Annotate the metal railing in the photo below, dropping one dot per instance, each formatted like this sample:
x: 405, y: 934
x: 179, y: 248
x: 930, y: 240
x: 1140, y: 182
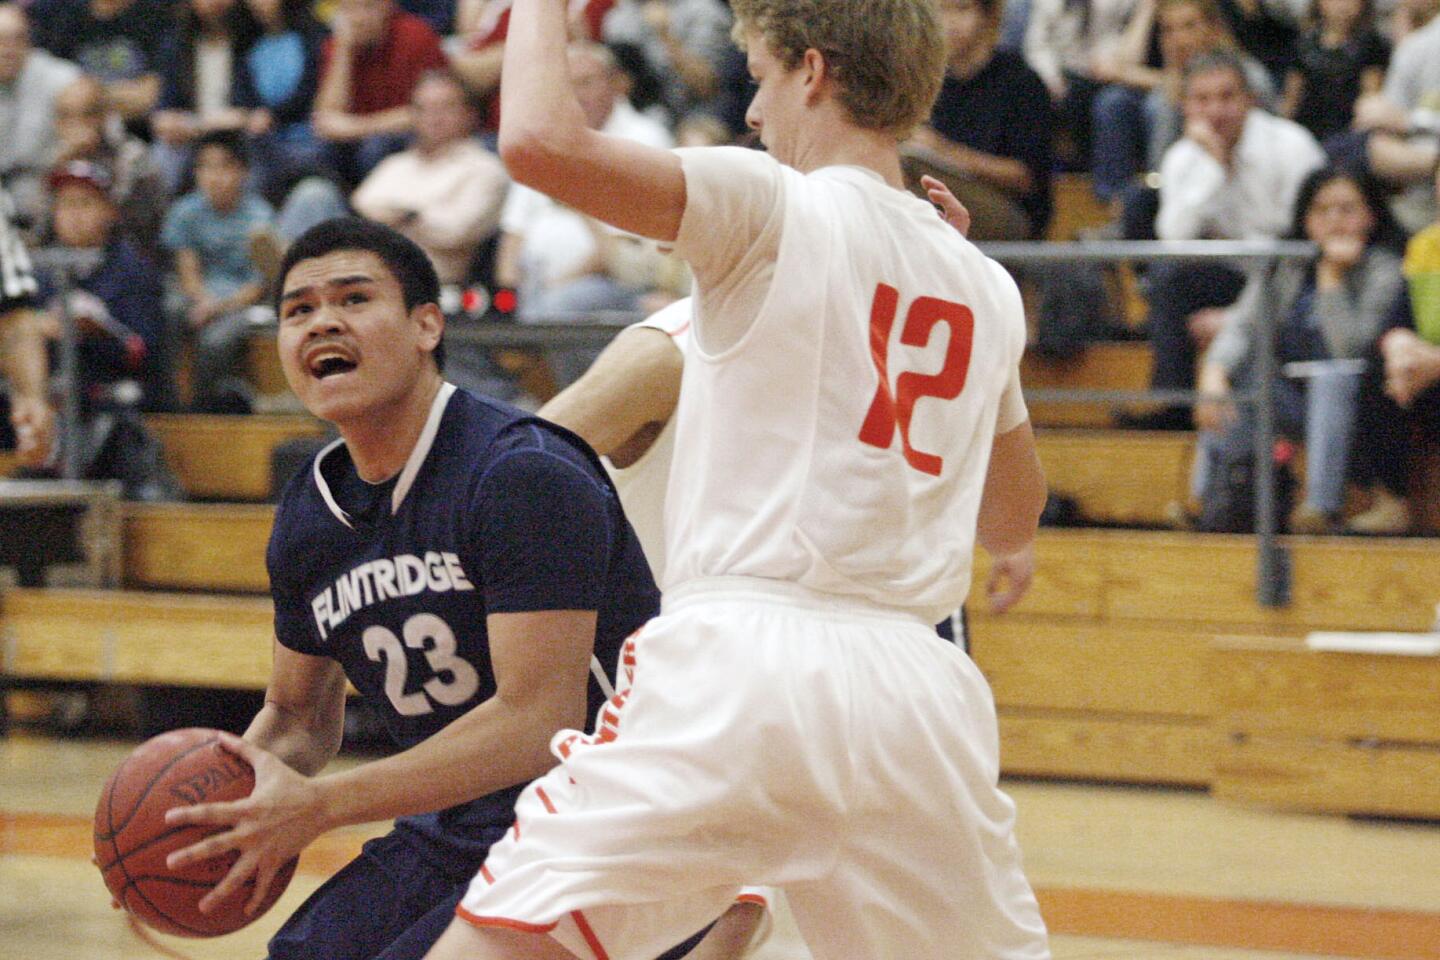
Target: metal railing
x: 1273, y: 566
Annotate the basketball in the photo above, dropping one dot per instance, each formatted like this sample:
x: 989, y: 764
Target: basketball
x: 132, y: 839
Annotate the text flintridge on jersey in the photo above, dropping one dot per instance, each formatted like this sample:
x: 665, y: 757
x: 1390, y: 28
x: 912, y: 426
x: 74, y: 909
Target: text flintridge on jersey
x: 386, y: 579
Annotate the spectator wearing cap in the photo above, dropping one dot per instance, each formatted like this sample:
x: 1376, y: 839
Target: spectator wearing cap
x: 111, y: 292
x: 85, y: 132
x: 116, y: 301
x: 220, y: 234
x: 369, y: 67
x: 30, y: 82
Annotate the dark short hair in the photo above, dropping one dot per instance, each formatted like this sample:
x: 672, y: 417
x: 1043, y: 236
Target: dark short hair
x: 1218, y: 58
x: 1387, y: 231
x: 231, y: 141
x: 406, y: 262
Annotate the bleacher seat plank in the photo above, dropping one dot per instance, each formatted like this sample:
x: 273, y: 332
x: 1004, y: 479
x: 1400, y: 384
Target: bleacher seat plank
x: 197, y: 546
x: 1338, y: 584
x: 1280, y: 688
x: 227, y: 458
x: 1076, y: 206
x: 1323, y: 776
x: 1099, y: 366
x: 1115, y: 668
x: 1095, y: 747
x: 123, y: 637
x: 1122, y: 477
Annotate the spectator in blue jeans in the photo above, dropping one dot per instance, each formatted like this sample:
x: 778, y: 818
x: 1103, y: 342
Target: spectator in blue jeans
x: 1330, y: 315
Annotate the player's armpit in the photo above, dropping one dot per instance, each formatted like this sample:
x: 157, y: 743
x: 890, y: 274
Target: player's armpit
x: 634, y: 382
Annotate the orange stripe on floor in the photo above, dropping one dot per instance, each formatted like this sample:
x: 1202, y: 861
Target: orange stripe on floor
x: 1371, y: 934
x: 69, y: 836
x: 1368, y: 934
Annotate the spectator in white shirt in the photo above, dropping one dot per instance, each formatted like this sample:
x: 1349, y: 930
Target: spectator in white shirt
x: 1234, y: 175
x: 30, y: 82
x: 445, y: 191
x: 562, y: 264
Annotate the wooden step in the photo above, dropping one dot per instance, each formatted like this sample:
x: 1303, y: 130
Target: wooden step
x: 227, y: 458
x: 1105, y: 671
x: 1118, y: 476
x: 1326, y: 731
x: 197, y: 546
x: 1100, y: 366
x: 140, y: 638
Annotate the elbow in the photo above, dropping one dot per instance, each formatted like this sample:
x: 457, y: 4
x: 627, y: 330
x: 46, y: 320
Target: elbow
x: 533, y: 156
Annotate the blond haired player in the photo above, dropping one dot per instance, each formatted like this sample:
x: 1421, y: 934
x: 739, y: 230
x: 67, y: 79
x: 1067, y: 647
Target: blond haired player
x: 791, y: 717
x: 624, y: 407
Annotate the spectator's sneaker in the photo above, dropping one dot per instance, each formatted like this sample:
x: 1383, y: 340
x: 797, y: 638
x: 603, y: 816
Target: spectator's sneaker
x: 1388, y: 516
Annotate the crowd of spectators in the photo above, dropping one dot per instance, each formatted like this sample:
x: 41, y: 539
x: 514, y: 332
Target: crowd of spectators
x: 190, y: 140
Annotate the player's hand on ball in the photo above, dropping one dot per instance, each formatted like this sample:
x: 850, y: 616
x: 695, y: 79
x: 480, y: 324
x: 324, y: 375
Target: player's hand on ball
x: 268, y: 828
x: 1010, y: 577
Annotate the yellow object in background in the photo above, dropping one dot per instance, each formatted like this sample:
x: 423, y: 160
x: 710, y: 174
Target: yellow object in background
x: 1422, y: 272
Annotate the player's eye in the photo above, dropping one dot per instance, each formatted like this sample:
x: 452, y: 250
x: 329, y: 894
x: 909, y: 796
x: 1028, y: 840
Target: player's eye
x: 354, y: 297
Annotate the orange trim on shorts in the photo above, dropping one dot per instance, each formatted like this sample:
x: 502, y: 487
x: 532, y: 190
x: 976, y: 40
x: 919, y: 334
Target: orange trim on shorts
x: 588, y: 933
x: 754, y: 898
x: 485, y: 872
x: 504, y: 922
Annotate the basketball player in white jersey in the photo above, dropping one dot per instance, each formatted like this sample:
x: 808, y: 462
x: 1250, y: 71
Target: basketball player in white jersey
x: 791, y: 718
x: 623, y: 406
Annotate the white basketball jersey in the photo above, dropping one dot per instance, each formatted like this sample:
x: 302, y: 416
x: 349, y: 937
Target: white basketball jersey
x: 642, y: 484
x: 841, y: 397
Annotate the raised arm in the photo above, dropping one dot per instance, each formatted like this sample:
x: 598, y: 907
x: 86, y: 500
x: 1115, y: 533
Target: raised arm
x: 547, y: 145
x: 629, y: 391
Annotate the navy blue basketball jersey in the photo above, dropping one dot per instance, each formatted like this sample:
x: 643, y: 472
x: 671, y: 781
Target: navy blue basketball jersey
x: 495, y: 512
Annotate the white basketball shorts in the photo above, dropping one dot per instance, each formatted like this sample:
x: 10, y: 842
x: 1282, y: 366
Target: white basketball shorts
x: 767, y: 734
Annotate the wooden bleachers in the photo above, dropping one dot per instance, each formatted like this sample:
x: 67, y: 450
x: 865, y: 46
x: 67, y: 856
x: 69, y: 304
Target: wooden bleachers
x: 1326, y: 731
x: 1104, y: 671
x: 139, y: 638
x: 1100, y: 366
x: 227, y: 458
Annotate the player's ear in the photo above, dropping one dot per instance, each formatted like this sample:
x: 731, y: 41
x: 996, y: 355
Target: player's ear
x: 431, y: 321
x: 817, y: 72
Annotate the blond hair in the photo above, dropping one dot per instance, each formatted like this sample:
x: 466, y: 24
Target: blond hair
x: 887, y: 56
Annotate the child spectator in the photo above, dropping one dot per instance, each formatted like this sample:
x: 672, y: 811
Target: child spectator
x: 85, y: 132
x: 115, y: 301
x: 216, y: 234
x: 1340, y: 57
x: 1333, y: 309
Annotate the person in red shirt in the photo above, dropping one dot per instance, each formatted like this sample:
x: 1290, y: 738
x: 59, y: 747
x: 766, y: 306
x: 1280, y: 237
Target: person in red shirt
x: 484, y: 24
x: 368, y: 70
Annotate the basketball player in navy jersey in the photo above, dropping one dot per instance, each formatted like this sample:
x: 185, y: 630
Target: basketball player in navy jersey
x: 462, y: 564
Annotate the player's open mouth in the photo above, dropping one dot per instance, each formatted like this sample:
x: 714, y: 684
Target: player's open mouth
x: 329, y: 363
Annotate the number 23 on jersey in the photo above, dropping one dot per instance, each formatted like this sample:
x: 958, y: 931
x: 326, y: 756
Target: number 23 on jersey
x: 889, y: 409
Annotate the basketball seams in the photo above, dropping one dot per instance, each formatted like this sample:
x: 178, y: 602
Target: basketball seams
x: 115, y: 778
x: 148, y: 890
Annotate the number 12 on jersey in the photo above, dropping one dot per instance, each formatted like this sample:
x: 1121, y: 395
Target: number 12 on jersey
x: 890, y: 410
